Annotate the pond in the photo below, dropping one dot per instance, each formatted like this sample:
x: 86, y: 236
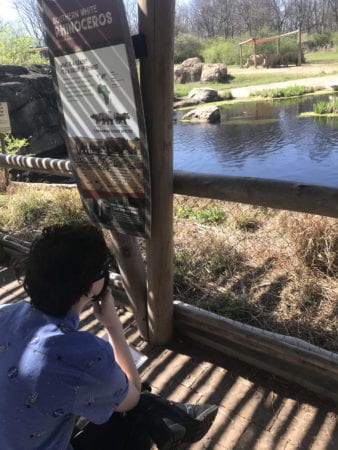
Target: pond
x: 265, y: 139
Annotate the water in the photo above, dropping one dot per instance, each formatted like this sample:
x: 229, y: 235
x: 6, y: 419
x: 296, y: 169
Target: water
x: 263, y: 140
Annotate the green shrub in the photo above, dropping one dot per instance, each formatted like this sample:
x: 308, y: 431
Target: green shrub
x: 218, y: 50
x: 321, y: 39
x: 16, y: 47
x: 186, y: 46
x: 13, y: 145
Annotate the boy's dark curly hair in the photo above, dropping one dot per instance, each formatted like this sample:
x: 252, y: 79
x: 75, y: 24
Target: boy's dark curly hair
x: 62, y: 265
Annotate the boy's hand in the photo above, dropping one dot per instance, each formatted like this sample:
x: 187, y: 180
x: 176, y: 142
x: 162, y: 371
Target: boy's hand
x: 105, y: 311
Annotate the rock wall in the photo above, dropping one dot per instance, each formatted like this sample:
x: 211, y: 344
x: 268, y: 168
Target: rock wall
x: 31, y: 100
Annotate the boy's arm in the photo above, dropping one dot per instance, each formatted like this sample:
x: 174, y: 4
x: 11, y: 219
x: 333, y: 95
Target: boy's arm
x: 106, y: 313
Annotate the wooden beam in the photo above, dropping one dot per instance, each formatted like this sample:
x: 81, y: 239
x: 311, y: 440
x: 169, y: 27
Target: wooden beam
x: 156, y: 23
x: 285, y: 356
x: 267, y: 39
x: 276, y: 194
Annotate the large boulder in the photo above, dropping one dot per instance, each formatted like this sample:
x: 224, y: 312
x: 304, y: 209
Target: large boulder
x: 188, y: 71
x: 30, y: 95
x: 210, y: 114
x: 204, y: 95
x: 214, y: 72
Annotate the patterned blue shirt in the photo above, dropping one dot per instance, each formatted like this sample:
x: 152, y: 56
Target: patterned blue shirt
x: 50, y: 374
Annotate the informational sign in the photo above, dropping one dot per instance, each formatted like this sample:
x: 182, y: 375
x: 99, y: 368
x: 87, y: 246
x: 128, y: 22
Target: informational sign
x: 99, y: 98
x: 5, y: 124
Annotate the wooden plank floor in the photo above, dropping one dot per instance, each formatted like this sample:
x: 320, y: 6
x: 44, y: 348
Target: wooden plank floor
x: 257, y: 411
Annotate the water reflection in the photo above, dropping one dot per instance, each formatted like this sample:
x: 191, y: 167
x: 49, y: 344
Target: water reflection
x: 262, y: 139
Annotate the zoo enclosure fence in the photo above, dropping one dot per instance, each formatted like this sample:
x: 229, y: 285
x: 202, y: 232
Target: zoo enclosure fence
x: 255, y: 231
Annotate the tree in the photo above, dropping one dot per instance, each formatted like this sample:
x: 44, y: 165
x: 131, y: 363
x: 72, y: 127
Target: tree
x: 132, y: 15
x: 28, y: 11
x: 15, y: 47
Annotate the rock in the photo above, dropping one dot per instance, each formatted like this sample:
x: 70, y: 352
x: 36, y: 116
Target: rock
x: 214, y: 72
x: 188, y: 71
x: 209, y: 114
x: 180, y: 74
x: 184, y: 102
x: 30, y: 95
x: 204, y: 95
x: 191, y: 62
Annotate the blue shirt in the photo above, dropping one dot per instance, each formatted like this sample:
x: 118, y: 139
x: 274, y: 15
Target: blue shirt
x: 50, y: 374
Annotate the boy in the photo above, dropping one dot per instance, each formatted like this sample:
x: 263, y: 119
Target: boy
x: 51, y: 373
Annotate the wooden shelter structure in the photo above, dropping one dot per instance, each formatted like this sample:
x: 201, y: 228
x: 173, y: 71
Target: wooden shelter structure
x: 255, y: 41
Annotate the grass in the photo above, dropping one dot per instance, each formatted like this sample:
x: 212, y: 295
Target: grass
x: 240, y: 80
x: 29, y: 208
x: 272, y: 269
x: 209, y: 215
x: 329, y: 107
x: 290, y: 91
x: 322, y: 57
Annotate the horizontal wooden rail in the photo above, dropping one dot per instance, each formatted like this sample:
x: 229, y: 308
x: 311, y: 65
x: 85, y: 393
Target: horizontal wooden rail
x: 276, y: 194
x: 287, y: 195
x: 291, y: 358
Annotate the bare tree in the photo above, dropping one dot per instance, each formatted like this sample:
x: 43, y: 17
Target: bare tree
x: 183, y: 17
x: 278, y: 12
x: 31, y: 19
x: 131, y: 7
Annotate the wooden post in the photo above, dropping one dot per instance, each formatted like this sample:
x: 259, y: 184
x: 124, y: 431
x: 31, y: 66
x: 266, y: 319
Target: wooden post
x: 133, y: 274
x: 3, y: 150
x: 156, y: 22
x: 278, y: 46
x: 299, y: 46
x: 254, y: 50
x: 241, y: 55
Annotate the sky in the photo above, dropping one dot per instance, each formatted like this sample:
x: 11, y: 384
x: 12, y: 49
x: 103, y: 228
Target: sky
x: 7, y: 12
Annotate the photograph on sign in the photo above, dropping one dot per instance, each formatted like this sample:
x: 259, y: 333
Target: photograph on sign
x: 99, y: 98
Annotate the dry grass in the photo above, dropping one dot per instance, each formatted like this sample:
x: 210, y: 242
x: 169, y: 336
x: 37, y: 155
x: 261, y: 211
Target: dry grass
x: 272, y: 269
x: 27, y: 208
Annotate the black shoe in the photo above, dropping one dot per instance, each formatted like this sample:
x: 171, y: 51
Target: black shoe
x: 172, y: 424
x: 199, y: 420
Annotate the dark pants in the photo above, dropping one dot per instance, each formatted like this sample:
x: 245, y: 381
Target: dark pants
x: 119, y: 433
